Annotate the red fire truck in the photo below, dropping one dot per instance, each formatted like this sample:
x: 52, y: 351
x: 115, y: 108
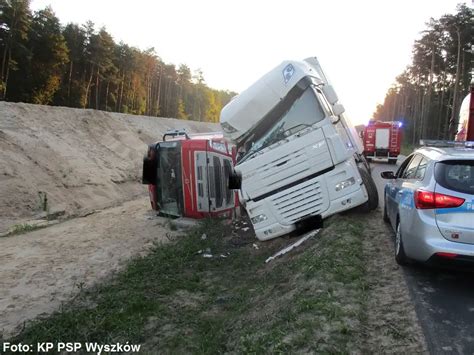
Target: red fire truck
x: 187, y: 175
x: 382, y: 140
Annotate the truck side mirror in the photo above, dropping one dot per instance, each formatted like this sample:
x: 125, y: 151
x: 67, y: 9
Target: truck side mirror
x: 338, y: 109
x: 330, y: 94
x: 149, y: 171
x: 235, y: 181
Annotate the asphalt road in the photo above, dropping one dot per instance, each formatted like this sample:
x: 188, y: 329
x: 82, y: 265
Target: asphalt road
x: 444, y: 299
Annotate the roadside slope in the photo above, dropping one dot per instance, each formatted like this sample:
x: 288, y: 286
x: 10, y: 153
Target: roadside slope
x: 81, y: 159
x: 42, y: 269
x: 340, y: 292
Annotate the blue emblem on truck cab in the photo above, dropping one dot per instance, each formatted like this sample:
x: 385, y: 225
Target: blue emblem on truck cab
x: 288, y: 72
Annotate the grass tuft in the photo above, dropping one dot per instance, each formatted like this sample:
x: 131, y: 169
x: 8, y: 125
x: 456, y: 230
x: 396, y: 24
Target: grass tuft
x: 23, y: 228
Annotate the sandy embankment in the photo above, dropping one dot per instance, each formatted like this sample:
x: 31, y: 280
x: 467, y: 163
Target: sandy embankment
x: 41, y: 269
x: 83, y: 160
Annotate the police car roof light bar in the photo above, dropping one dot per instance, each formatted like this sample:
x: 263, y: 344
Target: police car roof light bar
x: 446, y: 143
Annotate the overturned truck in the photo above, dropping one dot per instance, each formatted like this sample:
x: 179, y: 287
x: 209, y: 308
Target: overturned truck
x: 186, y: 175
x: 299, y: 159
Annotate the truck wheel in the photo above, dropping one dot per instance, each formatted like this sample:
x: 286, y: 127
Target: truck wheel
x: 365, y: 161
x: 373, y: 195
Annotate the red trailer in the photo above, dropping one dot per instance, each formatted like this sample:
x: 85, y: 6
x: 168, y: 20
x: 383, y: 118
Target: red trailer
x: 382, y: 140
x: 187, y: 175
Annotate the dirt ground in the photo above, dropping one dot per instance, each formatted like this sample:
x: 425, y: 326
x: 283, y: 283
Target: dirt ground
x: 86, y: 160
x: 393, y: 325
x: 44, y: 268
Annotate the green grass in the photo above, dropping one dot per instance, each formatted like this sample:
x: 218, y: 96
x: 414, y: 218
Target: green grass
x: 23, y: 228
x: 174, y: 300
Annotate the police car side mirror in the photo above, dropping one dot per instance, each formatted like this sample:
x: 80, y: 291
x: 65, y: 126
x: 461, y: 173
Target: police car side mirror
x: 388, y: 175
x: 149, y: 171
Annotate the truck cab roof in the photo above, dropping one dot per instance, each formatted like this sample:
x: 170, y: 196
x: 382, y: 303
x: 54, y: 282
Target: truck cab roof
x: 245, y: 110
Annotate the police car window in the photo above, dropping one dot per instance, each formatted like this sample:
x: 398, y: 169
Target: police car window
x: 420, y: 171
x: 402, y: 167
x: 456, y: 175
x: 411, y: 170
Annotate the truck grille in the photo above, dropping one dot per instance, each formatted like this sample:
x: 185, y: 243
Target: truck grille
x: 275, y: 173
x: 297, y: 204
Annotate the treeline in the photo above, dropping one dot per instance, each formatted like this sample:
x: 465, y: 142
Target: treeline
x: 428, y: 94
x: 45, y: 63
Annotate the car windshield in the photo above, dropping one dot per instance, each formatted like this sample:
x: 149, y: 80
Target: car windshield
x: 456, y: 175
x: 304, y: 112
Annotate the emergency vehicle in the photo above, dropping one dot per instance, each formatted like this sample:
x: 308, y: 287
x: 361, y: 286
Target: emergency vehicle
x: 382, y: 140
x: 187, y: 175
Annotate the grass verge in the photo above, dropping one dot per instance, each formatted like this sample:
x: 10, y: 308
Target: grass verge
x: 24, y: 228
x: 174, y: 300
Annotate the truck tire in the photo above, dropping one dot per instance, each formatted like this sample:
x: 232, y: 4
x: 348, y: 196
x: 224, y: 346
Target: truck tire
x: 373, y: 201
x: 366, y: 161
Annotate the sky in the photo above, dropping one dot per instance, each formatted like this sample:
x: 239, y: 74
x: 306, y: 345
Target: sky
x: 362, y: 45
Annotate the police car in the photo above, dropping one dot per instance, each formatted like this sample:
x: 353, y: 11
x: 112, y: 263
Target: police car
x: 429, y: 202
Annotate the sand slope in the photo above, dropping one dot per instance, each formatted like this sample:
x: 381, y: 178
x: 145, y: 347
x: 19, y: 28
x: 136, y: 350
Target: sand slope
x: 41, y: 269
x: 82, y: 159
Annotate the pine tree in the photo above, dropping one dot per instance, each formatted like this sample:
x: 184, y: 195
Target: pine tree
x: 49, y: 56
x: 15, y: 17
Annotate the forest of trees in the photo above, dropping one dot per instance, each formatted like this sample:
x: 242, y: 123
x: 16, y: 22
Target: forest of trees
x: 43, y: 62
x: 428, y: 94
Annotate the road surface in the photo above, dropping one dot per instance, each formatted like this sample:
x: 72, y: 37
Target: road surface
x: 444, y: 300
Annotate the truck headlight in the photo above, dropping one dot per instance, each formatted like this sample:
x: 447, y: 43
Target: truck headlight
x: 346, y: 183
x: 259, y: 218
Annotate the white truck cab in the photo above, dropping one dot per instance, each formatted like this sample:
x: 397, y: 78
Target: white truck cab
x: 296, y: 152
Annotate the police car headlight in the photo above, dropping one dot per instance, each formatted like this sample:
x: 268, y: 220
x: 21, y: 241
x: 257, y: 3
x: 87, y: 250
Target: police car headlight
x: 346, y: 183
x: 258, y: 219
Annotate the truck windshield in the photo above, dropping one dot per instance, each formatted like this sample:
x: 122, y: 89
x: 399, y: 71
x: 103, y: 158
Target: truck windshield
x: 169, y: 183
x: 303, y: 112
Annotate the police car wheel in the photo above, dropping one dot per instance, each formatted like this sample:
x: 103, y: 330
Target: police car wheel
x: 400, y: 256
x: 385, y: 214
